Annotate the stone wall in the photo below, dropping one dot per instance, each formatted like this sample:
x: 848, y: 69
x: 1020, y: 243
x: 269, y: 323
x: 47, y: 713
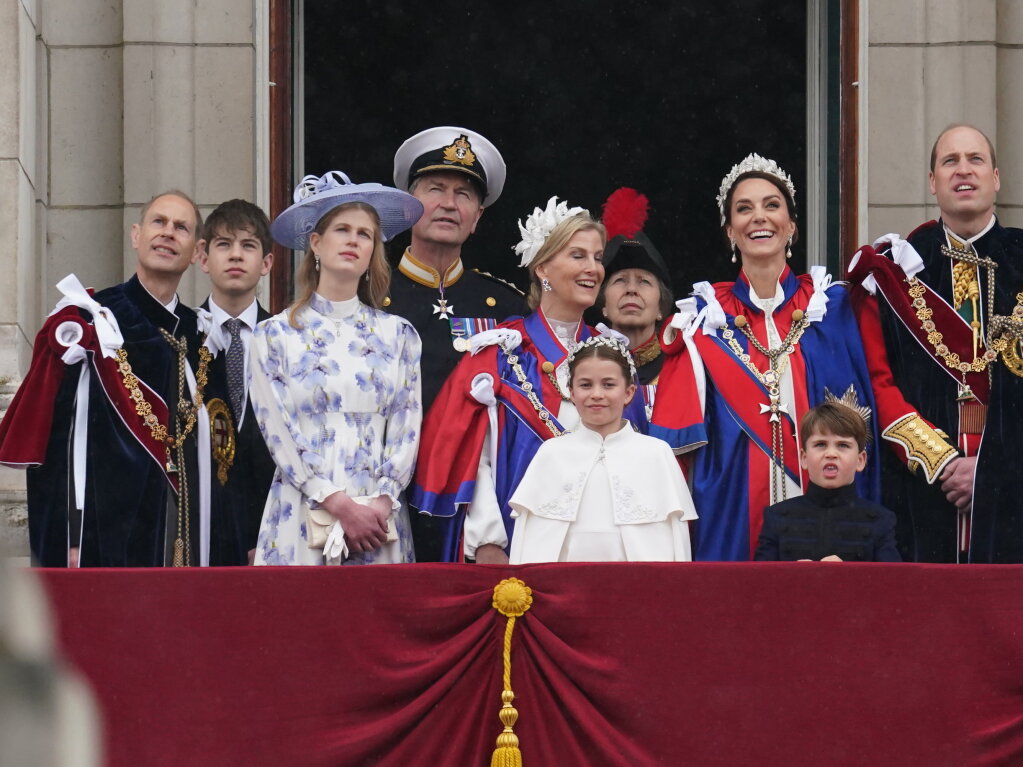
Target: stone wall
x: 113, y: 101
x: 931, y: 63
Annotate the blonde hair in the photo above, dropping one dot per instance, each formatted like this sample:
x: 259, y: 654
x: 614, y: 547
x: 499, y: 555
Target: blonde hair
x: 373, y: 286
x: 555, y: 242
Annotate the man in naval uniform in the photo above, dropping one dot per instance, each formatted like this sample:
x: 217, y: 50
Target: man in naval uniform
x: 948, y: 316
x: 235, y: 251
x: 456, y: 173
x: 109, y: 420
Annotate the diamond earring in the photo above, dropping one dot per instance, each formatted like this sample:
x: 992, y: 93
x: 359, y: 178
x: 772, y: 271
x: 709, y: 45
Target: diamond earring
x: 546, y: 285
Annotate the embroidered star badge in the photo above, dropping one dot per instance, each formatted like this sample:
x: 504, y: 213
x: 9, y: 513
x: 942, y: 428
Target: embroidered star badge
x: 441, y: 308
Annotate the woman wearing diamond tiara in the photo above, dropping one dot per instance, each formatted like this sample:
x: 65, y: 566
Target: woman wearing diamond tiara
x: 602, y: 493
x: 745, y: 360
x: 511, y: 394
x: 335, y: 384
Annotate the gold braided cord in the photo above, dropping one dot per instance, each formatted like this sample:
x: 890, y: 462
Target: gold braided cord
x: 964, y: 277
x: 512, y: 598
x: 184, y: 421
x: 1010, y: 337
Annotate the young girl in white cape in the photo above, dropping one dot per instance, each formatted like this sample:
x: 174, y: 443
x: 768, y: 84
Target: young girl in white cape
x: 602, y: 493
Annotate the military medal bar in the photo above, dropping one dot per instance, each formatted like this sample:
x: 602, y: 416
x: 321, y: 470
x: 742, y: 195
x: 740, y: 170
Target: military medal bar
x: 463, y: 328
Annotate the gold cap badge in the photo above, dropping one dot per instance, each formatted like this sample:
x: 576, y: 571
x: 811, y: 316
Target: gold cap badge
x: 460, y: 151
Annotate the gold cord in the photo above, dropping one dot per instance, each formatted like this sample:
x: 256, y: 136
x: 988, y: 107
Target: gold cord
x: 512, y: 598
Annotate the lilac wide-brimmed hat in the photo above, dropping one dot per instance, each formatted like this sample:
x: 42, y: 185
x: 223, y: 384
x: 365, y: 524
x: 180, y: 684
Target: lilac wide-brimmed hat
x: 316, y: 196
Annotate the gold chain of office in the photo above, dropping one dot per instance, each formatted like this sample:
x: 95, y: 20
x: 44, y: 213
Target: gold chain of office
x: 145, y: 410
x: 1004, y: 333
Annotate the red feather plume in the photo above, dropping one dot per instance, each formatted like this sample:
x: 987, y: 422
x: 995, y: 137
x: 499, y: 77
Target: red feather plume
x: 625, y: 212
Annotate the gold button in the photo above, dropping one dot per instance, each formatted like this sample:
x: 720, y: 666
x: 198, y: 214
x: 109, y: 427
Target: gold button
x: 797, y: 315
x: 491, y: 301
x: 740, y: 321
x: 387, y: 301
x: 547, y: 367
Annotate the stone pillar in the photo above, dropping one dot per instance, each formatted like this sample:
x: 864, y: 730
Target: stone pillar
x: 106, y: 103
x: 931, y: 63
x: 189, y: 107
x: 22, y: 225
x: 1009, y: 95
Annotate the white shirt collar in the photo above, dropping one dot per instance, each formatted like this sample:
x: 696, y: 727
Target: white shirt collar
x: 218, y: 338
x: 977, y: 236
x: 768, y: 304
x: 248, y: 316
x: 170, y: 306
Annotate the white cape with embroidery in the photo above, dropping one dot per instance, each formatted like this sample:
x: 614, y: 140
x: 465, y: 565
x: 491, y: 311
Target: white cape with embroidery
x: 585, y: 498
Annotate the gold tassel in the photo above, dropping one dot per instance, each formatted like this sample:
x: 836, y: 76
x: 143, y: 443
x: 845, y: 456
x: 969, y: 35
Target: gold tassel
x: 513, y: 598
x: 179, y: 553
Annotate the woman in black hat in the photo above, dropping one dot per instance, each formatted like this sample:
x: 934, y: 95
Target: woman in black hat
x: 636, y: 294
x: 335, y: 384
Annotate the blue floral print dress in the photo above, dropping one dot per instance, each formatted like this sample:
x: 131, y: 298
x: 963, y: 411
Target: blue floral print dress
x: 338, y: 402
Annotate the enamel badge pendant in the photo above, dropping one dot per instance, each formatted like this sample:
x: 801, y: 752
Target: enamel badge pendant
x: 442, y: 309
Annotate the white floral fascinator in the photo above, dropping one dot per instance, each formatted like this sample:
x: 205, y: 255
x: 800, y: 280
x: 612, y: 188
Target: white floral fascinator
x: 539, y: 224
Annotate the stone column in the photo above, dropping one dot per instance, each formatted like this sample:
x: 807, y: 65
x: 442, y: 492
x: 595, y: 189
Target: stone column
x: 1009, y: 95
x: 931, y: 63
x: 22, y: 225
x: 106, y: 103
x: 189, y: 107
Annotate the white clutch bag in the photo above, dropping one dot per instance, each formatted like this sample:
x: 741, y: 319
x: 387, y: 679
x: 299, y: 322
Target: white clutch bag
x: 320, y: 523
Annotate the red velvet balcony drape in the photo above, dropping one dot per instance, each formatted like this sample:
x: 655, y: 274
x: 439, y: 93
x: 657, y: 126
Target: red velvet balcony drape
x: 697, y: 664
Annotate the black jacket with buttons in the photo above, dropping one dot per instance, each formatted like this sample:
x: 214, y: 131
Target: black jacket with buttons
x: 825, y: 522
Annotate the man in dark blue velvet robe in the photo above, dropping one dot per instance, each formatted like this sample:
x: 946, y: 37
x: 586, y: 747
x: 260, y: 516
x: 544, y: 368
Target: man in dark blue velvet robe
x: 948, y: 316
x: 106, y: 421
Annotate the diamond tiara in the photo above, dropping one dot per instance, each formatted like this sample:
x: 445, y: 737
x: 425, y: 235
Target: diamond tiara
x: 612, y: 343
x: 752, y: 162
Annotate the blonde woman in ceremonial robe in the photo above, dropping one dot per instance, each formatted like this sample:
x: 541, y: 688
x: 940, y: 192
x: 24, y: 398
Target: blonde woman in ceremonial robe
x: 334, y: 383
x: 510, y: 394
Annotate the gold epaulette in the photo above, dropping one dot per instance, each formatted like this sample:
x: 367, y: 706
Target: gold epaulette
x: 495, y: 278
x: 924, y: 445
